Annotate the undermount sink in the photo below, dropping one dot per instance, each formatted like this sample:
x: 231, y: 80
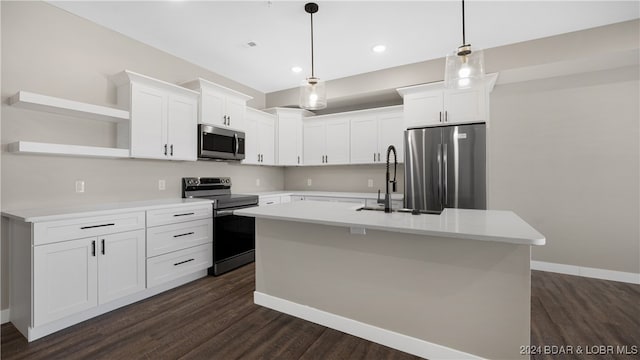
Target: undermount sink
x: 401, y: 210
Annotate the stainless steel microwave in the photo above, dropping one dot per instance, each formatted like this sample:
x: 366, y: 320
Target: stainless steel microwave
x: 220, y: 144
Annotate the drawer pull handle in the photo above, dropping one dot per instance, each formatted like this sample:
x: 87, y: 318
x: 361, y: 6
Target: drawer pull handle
x: 189, y: 233
x: 186, y: 214
x: 182, y: 262
x: 93, y: 248
x: 103, y: 247
x: 95, y: 226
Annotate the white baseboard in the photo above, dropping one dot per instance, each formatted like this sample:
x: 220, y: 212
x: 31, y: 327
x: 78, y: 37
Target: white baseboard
x: 378, y: 335
x: 5, y: 316
x: 627, y: 277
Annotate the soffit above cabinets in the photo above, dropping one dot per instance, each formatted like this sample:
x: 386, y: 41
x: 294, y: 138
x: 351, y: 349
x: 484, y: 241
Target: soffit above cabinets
x: 215, y: 34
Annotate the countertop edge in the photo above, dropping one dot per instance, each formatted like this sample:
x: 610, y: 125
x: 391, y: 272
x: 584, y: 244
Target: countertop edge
x: 456, y: 235
x: 15, y: 214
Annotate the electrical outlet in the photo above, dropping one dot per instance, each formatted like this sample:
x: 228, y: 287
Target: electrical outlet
x: 370, y: 183
x: 308, y: 182
x: 80, y: 186
x: 162, y: 185
x: 257, y: 182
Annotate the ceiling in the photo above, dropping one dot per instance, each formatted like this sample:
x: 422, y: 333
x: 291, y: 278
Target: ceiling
x: 214, y: 34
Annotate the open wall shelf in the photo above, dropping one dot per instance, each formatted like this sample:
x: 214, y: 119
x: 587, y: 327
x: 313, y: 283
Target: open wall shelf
x: 27, y: 147
x: 33, y: 101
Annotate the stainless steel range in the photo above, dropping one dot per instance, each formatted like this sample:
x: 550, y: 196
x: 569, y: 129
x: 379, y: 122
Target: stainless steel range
x: 234, y: 236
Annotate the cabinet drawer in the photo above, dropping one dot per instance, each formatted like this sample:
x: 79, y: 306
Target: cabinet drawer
x: 167, y: 267
x: 179, y: 214
x: 55, y: 231
x: 167, y: 238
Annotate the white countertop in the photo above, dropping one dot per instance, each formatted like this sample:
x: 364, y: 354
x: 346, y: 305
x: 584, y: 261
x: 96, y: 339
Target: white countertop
x: 486, y: 225
x: 61, y: 213
x: 356, y: 195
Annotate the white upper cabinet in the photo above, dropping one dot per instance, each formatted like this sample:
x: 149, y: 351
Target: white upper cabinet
x: 289, y: 144
x: 260, y: 138
x: 372, y: 131
x: 326, y: 140
x: 163, y: 118
x: 219, y: 106
x: 433, y: 105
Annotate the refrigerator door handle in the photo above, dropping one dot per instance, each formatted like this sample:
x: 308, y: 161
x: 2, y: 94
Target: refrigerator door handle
x: 439, y: 159
x: 446, y: 173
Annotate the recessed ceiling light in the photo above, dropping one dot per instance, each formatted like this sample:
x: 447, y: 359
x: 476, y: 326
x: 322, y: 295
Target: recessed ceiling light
x: 379, y: 48
x: 296, y: 69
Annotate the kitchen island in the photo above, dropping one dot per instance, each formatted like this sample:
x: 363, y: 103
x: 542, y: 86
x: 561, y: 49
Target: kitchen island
x: 455, y: 285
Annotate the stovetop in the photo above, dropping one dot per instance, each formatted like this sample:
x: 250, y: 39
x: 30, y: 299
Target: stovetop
x: 218, y: 189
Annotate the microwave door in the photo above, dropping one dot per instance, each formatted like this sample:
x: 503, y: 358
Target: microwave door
x: 216, y: 146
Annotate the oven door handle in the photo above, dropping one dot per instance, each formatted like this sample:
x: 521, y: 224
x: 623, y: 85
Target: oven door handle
x: 220, y: 213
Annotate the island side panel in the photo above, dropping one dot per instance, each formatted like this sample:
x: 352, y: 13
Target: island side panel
x: 468, y: 295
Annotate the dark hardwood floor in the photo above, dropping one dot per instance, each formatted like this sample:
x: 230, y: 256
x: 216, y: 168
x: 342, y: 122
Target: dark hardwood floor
x: 215, y: 318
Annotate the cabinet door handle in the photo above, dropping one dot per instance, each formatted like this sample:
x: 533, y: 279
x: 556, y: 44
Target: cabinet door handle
x: 96, y: 226
x: 93, y: 248
x: 185, y: 214
x: 440, y: 116
x: 298, y: 159
x: 446, y: 116
x: 224, y: 120
x: 182, y: 262
x: 374, y: 157
x: 326, y: 159
x: 171, y: 149
x: 378, y: 157
x: 103, y: 247
x: 228, y: 120
x: 186, y: 234
x: 165, y: 149
x: 261, y: 157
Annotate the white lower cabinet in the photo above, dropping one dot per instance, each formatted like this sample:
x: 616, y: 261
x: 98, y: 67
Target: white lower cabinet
x: 121, y: 266
x: 76, y: 275
x: 68, y: 270
x: 65, y: 279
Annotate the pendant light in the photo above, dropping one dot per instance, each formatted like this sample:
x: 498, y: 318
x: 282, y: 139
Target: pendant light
x: 464, y: 68
x: 313, y: 94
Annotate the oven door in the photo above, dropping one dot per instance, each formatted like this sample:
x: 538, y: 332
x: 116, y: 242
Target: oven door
x: 234, y: 240
x: 218, y: 143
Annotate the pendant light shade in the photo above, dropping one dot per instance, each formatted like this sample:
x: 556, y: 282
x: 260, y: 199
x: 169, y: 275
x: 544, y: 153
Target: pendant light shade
x: 464, y: 68
x: 313, y: 94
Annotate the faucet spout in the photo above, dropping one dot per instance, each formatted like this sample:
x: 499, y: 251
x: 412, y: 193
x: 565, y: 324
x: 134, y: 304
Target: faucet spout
x: 387, y: 195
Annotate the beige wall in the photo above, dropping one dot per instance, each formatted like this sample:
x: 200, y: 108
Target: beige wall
x: 49, y: 51
x: 564, y: 154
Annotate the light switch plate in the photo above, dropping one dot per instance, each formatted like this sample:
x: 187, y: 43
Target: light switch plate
x: 308, y: 182
x: 80, y: 186
x: 257, y: 182
x: 162, y: 185
x: 370, y: 183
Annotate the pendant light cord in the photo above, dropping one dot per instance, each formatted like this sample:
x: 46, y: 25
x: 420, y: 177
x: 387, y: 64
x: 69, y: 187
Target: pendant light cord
x: 312, y: 65
x: 464, y: 42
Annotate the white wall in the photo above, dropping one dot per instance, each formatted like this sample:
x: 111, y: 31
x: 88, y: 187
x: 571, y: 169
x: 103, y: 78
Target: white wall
x: 49, y: 51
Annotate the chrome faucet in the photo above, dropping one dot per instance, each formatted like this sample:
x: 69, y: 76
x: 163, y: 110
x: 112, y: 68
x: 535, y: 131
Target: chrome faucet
x: 387, y: 195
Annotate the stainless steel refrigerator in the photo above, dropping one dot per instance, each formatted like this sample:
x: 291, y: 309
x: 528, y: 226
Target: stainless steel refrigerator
x: 445, y: 167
